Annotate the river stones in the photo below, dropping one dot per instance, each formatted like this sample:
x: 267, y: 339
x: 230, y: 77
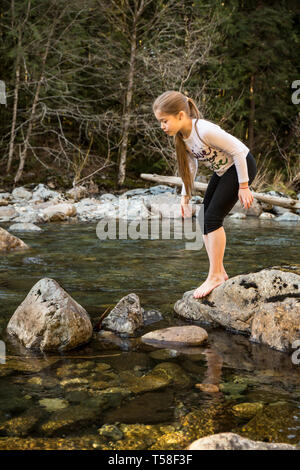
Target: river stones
x: 53, y: 404
x: 247, y: 410
x: 20, y: 426
x: 208, y: 388
x: 264, y: 304
x: 126, y: 317
x: 9, y: 242
x: 25, y: 227
x: 231, y: 441
x: 58, y: 212
x: 275, y: 422
x: 77, y: 193
x: 7, y: 213
x: 21, y: 193
x: 189, y: 335
x: 49, y: 319
x: 42, y: 193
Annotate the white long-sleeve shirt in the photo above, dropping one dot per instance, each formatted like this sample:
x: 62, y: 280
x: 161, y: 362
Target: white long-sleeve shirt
x: 219, y: 151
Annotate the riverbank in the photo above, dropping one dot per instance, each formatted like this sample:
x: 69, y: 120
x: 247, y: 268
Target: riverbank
x: 43, y: 204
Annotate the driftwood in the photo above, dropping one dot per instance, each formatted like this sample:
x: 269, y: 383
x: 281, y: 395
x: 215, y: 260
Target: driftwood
x: 176, y: 181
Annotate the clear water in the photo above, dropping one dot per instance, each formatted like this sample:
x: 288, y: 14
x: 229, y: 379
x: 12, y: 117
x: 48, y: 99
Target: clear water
x: 97, y: 274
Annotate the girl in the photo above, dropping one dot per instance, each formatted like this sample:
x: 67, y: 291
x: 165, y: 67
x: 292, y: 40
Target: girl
x: 233, y: 165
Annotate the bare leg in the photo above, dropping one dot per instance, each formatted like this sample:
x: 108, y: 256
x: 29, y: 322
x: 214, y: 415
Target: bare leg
x: 206, y: 242
x: 215, y: 243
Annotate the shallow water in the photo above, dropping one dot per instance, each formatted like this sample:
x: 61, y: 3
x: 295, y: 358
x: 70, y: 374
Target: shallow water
x: 97, y: 274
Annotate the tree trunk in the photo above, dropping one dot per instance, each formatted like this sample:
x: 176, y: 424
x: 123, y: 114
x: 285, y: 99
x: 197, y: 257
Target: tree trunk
x: 127, y: 111
x: 128, y: 101
x: 252, y: 114
x: 17, y: 84
x: 14, y: 117
x: 23, y: 154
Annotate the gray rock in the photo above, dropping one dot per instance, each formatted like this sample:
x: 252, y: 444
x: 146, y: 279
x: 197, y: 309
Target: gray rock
x: 164, y: 205
x: 240, y: 302
x: 5, y: 196
x: 91, y: 209
x: 254, y: 210
x: 289, y: 217
x: 58, y: 212
x: 131, y: 209
x: 126, y: 317
x: 267, y: 215
x: 77, y: 193
x: 49, y: 319
x: 275, y: 193
x: 42, y: 192
x: 231, y: 441
x: 108, y: 197
x: 7, y: 213
x: 25, y: 227
x: 29, y: 217
x: 21, y: 193
x: 136, y: 192
x: 9, y: 242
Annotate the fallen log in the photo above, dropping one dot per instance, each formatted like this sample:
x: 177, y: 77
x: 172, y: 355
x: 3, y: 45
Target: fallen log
x: 287, y: 203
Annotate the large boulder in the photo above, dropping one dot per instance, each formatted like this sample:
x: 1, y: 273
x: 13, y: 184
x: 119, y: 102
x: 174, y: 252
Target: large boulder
x: 264, y: 305
x: 231, y: 441
x: 126, y: 317
x: 49, y: 319
x: 9, y: 242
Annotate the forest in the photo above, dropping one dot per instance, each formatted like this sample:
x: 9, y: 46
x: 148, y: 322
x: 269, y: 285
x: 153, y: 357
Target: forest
x: 80, y: 79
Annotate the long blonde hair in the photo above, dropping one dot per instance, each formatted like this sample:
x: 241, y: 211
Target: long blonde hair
x: 172, y: 102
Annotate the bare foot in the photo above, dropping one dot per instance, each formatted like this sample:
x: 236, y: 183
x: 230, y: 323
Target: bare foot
x: 209, y: 285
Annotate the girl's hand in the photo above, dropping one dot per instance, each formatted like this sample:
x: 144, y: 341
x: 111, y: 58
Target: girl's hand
x: 186, y: 210
x: 245, y: 197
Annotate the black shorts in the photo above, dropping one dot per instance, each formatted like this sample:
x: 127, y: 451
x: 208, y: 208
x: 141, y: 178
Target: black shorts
x: 222, y: 194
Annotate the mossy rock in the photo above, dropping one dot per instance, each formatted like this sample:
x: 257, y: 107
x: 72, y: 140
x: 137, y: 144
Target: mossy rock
x: 234, y: 389
x: 247, y: 410
x: 274, y: 423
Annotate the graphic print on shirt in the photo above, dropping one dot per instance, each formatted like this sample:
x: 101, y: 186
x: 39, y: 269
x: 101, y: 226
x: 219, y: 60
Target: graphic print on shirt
x: 203, y: 156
